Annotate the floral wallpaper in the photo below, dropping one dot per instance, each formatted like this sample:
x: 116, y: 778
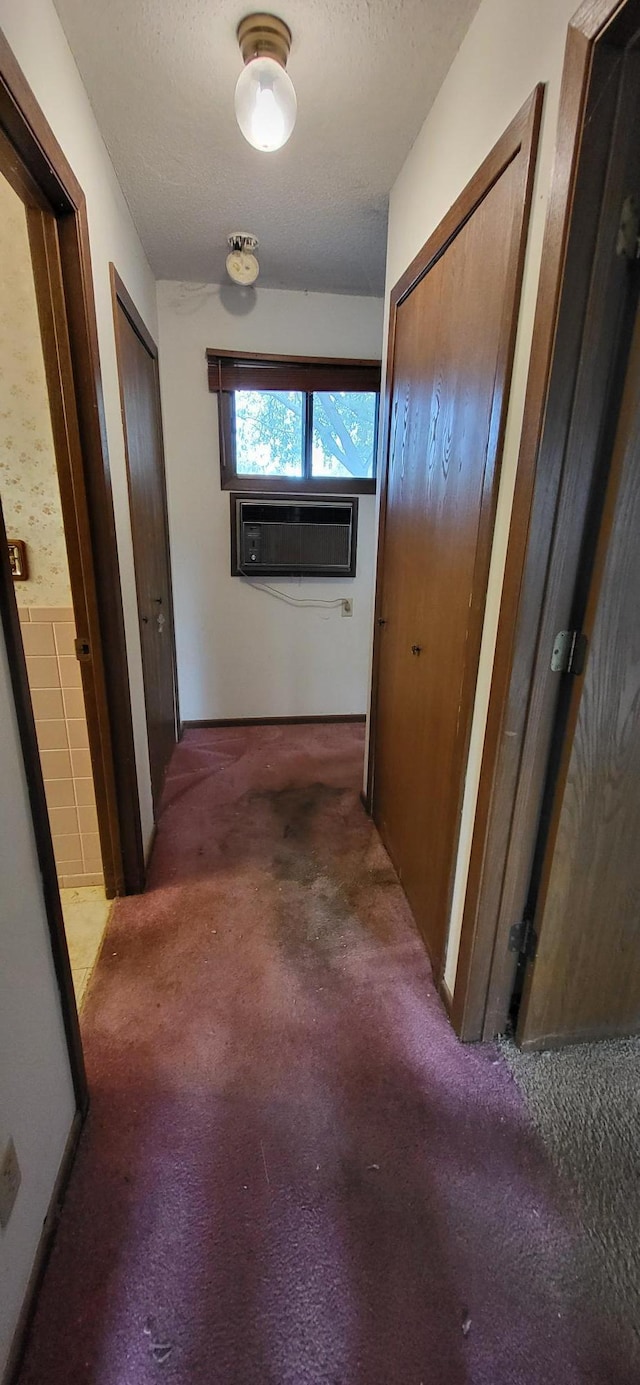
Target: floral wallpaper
x: 28, y: 478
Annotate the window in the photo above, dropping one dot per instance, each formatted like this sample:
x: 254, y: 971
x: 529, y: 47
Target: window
x: 296, y: 425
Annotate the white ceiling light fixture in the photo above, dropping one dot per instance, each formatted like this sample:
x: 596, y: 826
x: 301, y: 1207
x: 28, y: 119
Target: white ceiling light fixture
x: 242, y: 263
x: 265, y: 98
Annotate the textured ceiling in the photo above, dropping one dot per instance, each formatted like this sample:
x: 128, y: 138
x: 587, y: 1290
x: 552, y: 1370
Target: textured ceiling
x: 161, y: 76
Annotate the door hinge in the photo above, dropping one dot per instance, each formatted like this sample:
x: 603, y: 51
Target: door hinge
x: 628, y: 238
x: 83, y: 650
x: 523, y: 939
x: 569, y: 652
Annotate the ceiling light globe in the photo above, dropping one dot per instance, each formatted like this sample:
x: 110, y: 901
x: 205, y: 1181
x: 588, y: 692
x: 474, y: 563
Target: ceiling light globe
x: 266, y: 105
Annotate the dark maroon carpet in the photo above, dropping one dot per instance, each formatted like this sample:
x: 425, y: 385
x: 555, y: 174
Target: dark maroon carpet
x: 292, y: 1172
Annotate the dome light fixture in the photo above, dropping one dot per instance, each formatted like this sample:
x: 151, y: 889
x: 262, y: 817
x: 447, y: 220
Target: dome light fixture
x: 265, y: 98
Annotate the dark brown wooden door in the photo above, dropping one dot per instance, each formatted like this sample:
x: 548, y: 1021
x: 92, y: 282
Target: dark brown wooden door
x: 585, y: 979
x: 451, y: 364
x: 139, y: 391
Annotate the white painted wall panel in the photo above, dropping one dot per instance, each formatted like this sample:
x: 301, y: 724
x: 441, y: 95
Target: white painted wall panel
x: 242, y: 652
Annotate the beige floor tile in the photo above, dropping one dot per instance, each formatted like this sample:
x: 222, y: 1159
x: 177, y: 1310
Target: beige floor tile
x: 86, y: 912
x: 80, y: 977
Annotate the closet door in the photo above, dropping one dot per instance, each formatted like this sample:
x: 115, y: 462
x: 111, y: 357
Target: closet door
x: 454, y: 326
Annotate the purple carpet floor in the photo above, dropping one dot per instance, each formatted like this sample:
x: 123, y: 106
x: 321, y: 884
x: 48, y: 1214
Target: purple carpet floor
x: 292, y: 1173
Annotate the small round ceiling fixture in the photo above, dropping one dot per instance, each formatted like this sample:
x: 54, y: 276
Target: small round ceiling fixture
x: 265, y: 98
x: 242, y: 264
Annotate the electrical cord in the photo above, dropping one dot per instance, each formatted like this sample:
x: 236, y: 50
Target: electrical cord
x: 289, y: 600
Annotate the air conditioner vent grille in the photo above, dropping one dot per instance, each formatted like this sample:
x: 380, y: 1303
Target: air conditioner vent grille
x: 293, y: 538
x: 297, y: 545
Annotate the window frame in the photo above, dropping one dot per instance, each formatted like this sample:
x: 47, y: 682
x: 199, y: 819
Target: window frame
x: 307, y: 375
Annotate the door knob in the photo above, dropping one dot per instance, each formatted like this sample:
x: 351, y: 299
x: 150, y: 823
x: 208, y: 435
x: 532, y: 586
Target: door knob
x: 416, y: 649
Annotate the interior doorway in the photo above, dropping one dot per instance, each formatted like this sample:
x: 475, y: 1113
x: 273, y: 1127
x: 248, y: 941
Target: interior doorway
x: 583, y: 982
x: 55, y: 211
x: 142, y: 419
x: 30, y: 498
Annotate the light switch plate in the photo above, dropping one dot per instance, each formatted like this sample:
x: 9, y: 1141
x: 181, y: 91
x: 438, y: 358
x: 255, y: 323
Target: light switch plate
x: 347, y: 606
x: 10, y: 1180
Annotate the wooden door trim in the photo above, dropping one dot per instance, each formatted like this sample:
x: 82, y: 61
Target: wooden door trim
x: 520, y: 137
x: 119, y: 294
x: 45, y: 256
x: 506, y: 815
x: 622, y: 443
x: 121, y: 297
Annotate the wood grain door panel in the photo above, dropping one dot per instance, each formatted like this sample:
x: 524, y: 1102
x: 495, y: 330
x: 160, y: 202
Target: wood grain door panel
x: 585, y: 980
x: 451, y: 358
x: 137, y: 364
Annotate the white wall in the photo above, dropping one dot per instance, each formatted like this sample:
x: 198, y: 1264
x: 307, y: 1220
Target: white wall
x: 242, y: 652
x: 510, y: 47
x: 33, y: 30
x: 36, y: 1093
x: 36, y: 1099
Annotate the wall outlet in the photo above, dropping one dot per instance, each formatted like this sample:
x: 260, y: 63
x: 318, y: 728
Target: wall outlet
x: 347, y: 606
x: 10, y: 1180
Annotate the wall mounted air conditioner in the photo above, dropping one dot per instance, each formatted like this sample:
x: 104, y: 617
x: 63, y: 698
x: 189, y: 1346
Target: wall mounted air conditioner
x: 293, y: 536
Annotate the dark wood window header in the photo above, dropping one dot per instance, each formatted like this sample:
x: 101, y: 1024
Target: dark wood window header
x: 309, y: 376
x: 239, y: 370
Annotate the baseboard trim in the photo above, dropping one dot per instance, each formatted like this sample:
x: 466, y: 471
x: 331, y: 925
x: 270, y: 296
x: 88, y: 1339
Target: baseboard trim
x: 45, y: 1245
x: 152, y: 842
x: 268, y: 721
x: 445, y: 996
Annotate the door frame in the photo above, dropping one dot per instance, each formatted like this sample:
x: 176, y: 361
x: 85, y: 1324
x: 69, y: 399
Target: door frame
x: 33, y: 162
x: 520, y: 717
x: 520, y: 137
x: 122, y: 299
